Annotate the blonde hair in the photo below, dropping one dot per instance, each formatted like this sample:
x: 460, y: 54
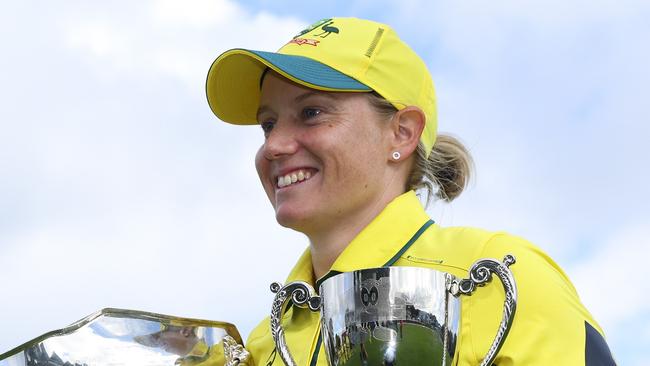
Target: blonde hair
x: 447, y: 170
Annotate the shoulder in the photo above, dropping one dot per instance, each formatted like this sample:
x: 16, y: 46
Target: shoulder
x: 549, y: 316
x: 457, y: 248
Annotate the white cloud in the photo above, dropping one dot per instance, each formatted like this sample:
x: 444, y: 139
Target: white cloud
x: 101, y: 40
x: 201, y: 14
x: 174, y: 39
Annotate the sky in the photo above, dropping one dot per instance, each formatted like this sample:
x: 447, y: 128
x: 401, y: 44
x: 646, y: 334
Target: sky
x: 119, y: 187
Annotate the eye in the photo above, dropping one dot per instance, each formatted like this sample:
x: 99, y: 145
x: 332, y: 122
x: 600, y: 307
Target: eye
x: 267, y: 126
x: 310, y: 112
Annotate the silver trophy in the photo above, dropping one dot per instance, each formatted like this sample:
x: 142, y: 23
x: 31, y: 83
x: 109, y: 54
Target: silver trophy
x: 393, y: 315
x: 112, y: 337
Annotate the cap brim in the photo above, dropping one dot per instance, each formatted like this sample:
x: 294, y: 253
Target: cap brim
x: 233, y: 82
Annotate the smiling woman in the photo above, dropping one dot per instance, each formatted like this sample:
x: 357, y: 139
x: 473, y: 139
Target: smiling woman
x: 349, y: 121
x: 339, y: 142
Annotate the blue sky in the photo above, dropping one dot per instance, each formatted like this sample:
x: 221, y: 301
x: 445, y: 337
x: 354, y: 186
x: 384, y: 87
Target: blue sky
x: 119, y: 188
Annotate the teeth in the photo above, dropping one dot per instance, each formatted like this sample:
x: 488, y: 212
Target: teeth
x: 294, y: 177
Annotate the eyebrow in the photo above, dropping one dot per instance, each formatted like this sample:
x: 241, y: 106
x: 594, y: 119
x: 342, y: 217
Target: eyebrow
x: 298, y: 99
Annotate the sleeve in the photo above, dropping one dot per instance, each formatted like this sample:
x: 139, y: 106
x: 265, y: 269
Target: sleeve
x: 258, y: 345
x: 550, y: 327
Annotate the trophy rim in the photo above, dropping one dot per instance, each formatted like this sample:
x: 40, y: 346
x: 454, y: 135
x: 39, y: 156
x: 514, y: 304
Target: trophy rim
x: 331, y: 276
x: 230, y: 328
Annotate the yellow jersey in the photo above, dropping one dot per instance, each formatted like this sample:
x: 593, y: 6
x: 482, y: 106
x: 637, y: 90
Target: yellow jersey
x: 550, y: 327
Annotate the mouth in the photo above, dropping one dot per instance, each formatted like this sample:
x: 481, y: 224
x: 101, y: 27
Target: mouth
x: 294, y: 177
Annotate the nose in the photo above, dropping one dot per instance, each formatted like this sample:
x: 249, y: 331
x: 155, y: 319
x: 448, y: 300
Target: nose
x: 281, y: 141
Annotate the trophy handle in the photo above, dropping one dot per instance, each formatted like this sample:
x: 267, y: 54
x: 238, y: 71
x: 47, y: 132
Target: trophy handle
x: 480, y: 274
x: 234, y: 353
x: 301, y: 294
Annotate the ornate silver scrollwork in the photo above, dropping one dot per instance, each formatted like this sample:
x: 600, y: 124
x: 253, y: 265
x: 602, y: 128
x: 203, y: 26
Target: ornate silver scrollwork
x: 301, y: 294
x: 234, y: 353
x: 479, y: 275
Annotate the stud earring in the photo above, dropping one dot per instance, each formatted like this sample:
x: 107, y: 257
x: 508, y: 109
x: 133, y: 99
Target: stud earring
x: 396, y: 155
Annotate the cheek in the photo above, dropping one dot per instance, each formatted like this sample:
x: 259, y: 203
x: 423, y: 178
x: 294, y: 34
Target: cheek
x: 259, y: 161
x: 362, y: 146
x: 348, y: 162
x: 262, y: 167
x: 366, y: 160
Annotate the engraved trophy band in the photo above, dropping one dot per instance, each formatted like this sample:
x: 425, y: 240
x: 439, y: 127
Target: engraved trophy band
x: 393, y: 315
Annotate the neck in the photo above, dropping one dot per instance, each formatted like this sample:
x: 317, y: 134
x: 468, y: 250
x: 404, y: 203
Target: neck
x: 328, y: 243
x: 327, y: 246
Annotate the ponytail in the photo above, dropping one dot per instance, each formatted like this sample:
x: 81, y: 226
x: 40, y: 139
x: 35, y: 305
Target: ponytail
x: 445, y: 173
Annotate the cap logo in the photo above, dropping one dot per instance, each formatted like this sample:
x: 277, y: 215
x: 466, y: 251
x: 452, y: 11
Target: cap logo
x: 301, y: 41
x: 314, y: 26
x: 327, y: 30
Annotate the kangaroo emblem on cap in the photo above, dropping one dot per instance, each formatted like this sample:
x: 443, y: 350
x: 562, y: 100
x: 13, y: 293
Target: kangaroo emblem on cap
x: 327, y: 29
x: 325, y: 25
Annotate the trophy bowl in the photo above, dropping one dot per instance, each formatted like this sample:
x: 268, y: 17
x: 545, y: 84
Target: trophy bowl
x: 393, y: 315
x: 130, y: 337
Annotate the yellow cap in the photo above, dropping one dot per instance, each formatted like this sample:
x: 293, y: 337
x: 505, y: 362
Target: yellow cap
x: 337, y: 54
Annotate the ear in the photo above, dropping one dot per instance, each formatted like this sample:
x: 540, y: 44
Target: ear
x: 407, y: 126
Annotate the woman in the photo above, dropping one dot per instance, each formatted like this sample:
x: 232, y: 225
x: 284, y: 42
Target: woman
x: 348, y: 114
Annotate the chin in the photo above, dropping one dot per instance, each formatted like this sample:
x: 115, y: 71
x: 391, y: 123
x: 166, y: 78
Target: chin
x: 286, y: 221
x: 292, y: 220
